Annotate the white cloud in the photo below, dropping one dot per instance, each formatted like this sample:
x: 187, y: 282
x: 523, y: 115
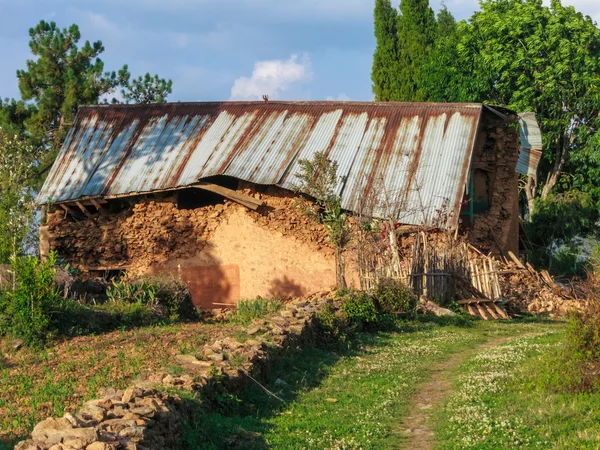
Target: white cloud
x: 100, y: 23
x: 340, y: 98
x: 272, y: 78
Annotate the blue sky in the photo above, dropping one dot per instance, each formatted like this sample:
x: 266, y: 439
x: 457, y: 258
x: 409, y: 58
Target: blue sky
x: 222, y: 49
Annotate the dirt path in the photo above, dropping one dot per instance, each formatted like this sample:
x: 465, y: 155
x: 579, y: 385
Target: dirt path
x: 430, y: 395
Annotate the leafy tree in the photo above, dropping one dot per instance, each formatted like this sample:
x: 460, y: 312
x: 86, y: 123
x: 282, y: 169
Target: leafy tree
x: 13, y: 114
x: 318, y: 178
x: 147, y: 89
x: 556, y: 221
x: 416, y: 35
x: 529, y: 57
x: 17, y: 162
x: 386, y: 58
x: 64, y: 75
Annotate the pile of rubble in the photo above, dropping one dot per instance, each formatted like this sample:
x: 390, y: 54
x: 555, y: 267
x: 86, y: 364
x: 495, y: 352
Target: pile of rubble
x: 145, y: 416
x: 136, y: 418
x: 527, y: 290
x: 154, y: 231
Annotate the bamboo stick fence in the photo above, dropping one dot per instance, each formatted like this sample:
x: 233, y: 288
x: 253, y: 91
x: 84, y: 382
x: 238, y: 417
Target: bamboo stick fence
x: 436, y: 266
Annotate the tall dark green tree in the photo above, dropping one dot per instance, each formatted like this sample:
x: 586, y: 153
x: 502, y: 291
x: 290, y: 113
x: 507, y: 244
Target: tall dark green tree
x: 416, y: 35
x: 386, y: 63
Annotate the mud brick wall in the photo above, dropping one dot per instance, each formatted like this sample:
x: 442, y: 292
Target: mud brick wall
x: 497, y: 153
x: 223, y: 251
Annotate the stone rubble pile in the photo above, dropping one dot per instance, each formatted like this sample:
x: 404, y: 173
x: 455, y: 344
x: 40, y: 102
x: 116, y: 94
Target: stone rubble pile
x: 145, y: 416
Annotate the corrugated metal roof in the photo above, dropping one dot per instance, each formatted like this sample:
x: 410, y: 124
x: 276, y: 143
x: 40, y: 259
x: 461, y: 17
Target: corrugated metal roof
x: 531, y: 144
x: 418, y: 154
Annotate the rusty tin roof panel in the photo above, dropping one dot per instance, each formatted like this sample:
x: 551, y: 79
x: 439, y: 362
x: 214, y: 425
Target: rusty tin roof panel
x: 408, y: 159
x: 531, y: 144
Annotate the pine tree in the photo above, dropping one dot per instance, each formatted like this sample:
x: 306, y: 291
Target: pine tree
x: 64, y: 76
x: 416, y: 35
x: 385, y: 59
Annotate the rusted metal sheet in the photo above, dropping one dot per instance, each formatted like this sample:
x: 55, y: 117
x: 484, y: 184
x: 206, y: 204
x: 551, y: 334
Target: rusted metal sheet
x: 531, y: 144
x: 407, y: 159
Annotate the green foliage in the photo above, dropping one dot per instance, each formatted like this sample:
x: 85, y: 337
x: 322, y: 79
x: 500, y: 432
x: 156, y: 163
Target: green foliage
x: 17, y: 161
x: 555, y: 222
x: 395, y: 298
x: 318, y: 179
x: 13, y: 114
x: 416, y: 34
x: 248, y: 310
x: 166, y: 297
x: 530, y: 57
x: 147, y: 89
x: 331, y: 327
x: 63, y: 76
x: 403, y: 41
x: 385, y: 59
x: 29, y: 307
x: 359, y: 308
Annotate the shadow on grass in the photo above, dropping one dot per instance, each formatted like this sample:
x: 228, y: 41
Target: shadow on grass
x: 9, y: 443
x: 240, y: 422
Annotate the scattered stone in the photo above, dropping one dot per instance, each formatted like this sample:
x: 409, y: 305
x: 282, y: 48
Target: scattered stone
x: 253, y: 330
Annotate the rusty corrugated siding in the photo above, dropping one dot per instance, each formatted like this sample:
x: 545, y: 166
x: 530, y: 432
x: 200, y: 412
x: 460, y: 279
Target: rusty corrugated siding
x: 531, y: 144
x: 415, y: 154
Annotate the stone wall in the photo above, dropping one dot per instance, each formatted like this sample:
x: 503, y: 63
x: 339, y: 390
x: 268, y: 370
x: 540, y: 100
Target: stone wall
x: 146, y: 416
x: 496, y: 155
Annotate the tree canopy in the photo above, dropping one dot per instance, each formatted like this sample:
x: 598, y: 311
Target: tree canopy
x: 403, y: 39
x: 530, y: 57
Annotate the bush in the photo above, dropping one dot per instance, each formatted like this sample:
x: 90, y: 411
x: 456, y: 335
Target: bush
x: 29, y: 308
x: 248, y: 310
x: 360, y: 310
x: 166, y: 297
x: 395, y: 298
x: 332, y: 327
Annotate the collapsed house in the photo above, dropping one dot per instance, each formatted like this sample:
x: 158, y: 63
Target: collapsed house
x: 208, y: 191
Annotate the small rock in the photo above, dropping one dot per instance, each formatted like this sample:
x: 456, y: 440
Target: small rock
x: 216, y: 357
x: 232, y: 344
x: 128, y: 395
x: 253, y: 330
x: 144, y: 411
x: 98, y: 446
x: 132, y: 433
x: 280, y: 382
x: 186, y: 359
x: 75, y: 443
x: 92, y: 412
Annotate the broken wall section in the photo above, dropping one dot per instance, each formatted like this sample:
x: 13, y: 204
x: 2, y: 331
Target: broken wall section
x: 493, y: 168
x: 223, y: 251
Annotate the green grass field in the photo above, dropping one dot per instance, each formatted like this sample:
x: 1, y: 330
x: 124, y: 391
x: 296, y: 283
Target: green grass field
x: 499, y: 396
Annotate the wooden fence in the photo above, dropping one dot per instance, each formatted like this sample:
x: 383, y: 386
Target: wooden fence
x: 437, y: 266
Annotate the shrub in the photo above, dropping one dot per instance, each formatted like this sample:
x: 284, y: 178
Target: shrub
x: 168, y: 298
x: 395, y: 298
x: 248, y: 310
x: 331, y: 327
x: 360, y: 309
x: 29, y: 307
x: 584, y: 333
